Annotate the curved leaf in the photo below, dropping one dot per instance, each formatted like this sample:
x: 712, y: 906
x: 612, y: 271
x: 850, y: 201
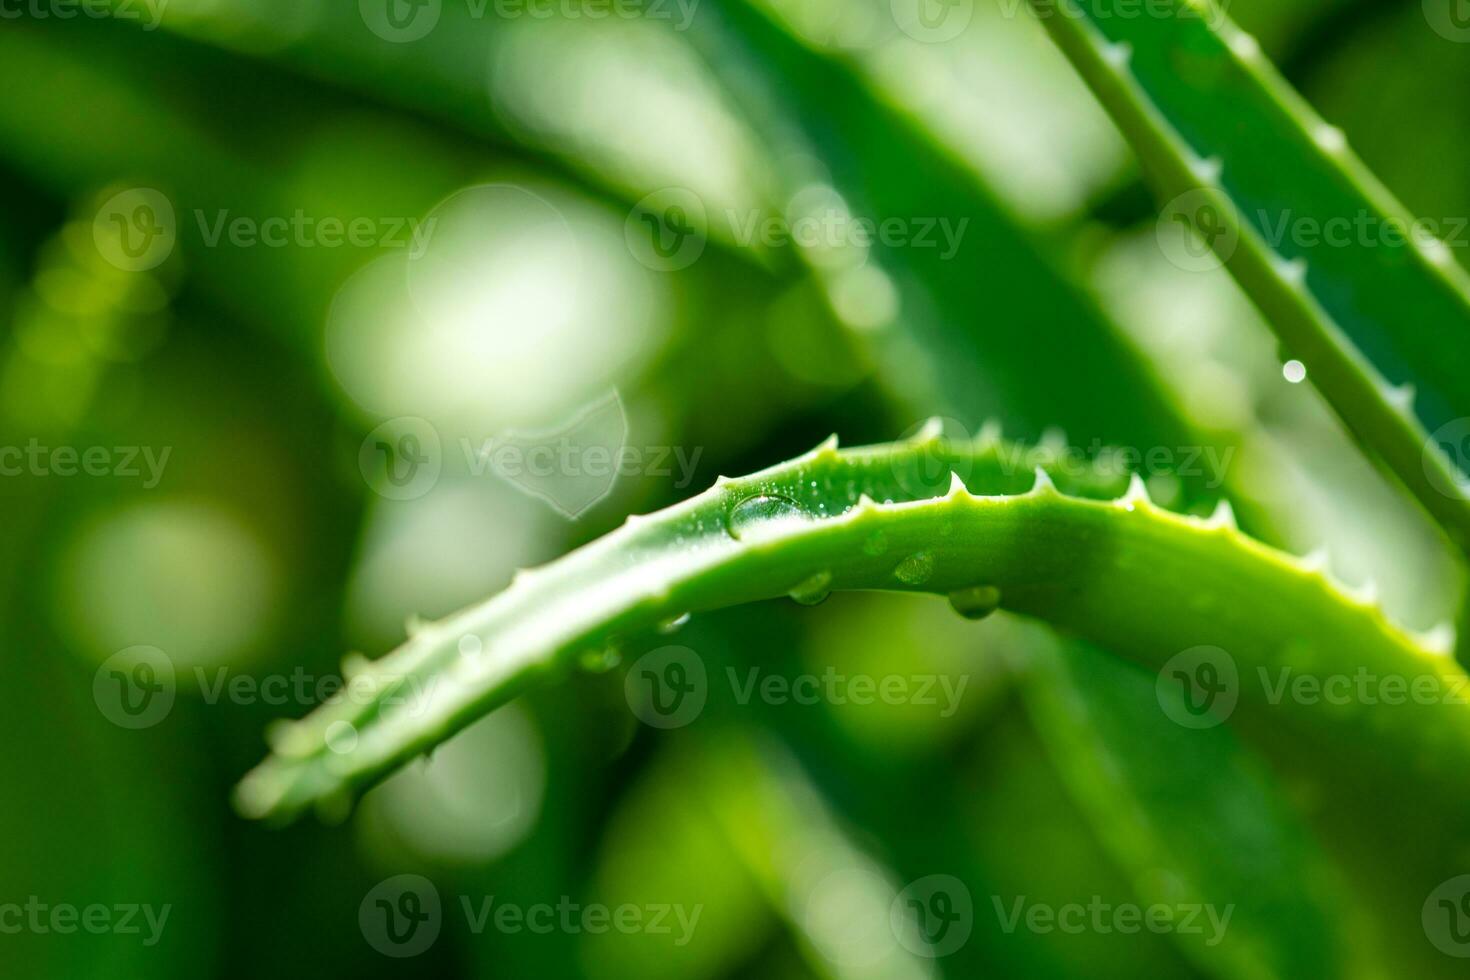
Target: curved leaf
x: 1122, y: 573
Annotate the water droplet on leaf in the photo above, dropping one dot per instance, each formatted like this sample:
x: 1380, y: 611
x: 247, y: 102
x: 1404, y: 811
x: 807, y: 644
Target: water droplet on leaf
x: 814, y: 590
x: 915, y: 569
x: 753, y: 512
x: 976, y: 602
x: 675, y: 624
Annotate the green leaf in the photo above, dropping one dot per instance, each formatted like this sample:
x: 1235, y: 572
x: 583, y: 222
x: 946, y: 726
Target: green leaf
x: 1122, y: 573
x: 1303, y: 226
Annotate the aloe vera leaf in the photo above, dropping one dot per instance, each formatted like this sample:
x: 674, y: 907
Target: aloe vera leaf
x: 1121, y: 573
x: 967, y: 323
x: 1104, y: 729
x: 852, y: 130
x: 1208, y: 115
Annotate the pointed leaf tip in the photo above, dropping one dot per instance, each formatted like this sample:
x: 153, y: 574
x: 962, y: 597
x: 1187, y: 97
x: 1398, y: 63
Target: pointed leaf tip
x: 1043, y: 484
x: 1224, y: 516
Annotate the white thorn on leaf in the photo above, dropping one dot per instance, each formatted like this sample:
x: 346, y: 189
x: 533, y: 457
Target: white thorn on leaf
x: 1136, y: 495
x: 827, y: 445
x: 722, y: 481
x: 957, y: 486
x: 1438, y: 639
x: 1223, y: 516
x: 931, y: 431
x: 1435, y: 250
x: 1043, y: 484
x: 414, y: 624
x: 1401, y: 396
x: 1053, y: 441
x: 1293, y: 271
x: 1245, y: 46
x: 1316, y: 560
x: 1365, y: 594
x: 1207, y: 170
x: 1118, y: 54
x: 355, y: 665
x: 1329, y: 138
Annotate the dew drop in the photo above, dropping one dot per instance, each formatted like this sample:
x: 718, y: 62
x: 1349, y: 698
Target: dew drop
x: 470, y: 646
x: 674, y: 624
x: 976, y: 602
x: 764, y: 508
x: 600, y: 661
x: 915, y: 569
x: 813, y: 591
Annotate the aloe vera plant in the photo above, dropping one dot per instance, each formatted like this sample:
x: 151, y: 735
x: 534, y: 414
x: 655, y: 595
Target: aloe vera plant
x: 1364, y: 310
x: 1109, y: 569
x: 1140, y: 726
